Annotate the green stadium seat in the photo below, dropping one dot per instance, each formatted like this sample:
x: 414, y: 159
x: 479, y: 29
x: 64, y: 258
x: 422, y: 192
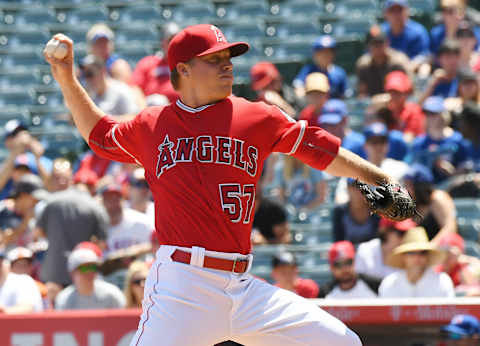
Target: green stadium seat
x: 356, y: 8
x: 358, y: 27
x: 15, y: 97
x: 14, y: 37
x: 49, y: 95
x: 287, y: 50
x: 243, y: 30
x: 243, y: 10
x: 35, y: 16
x: 12, y: 112
x: 193, y: 13
x: 62, y: 141
x: 143, y: 13
x: 298, y: 8
x: 136, y: 34
x: 26, y: 56
x: 46, y: 117
x: 293, y: 29
x: 76, y: 32
x: 87, y: 15
x: 133, y: 53
x: 19, y: 77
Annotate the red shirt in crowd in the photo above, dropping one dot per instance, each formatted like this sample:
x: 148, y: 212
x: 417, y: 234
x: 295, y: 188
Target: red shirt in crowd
x: 411, y: 119
x: 203, y: 164
x: 455, y: 274
x: 152, y: 75
x: 310, y: 115
x: 305, y: 288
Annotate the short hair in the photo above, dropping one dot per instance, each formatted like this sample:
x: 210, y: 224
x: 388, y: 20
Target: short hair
x: 449, y: 46
x: 175, y: 78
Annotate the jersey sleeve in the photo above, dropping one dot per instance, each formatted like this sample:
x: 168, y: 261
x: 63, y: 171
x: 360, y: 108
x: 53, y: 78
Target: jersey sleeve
x: 116, y: 141
x: 311, y: 145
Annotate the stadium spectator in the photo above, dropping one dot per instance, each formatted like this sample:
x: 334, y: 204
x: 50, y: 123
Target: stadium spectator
x: 135, y: 283
x: 127, y: 227
x: 401, y: 115
x: 415, y: 257
x: 444, y: 80
x: 371, y: 255
x: 25, y: 155
x: 468, y: 41
x: 347, y: 284
x: 112, y: 96
x: 152, y: 75
x: 377, y: 147
x: 373, y: 66
x: 469, y: 126
x: 316, y: 95
x: 86, y: 180
x: 468, y: 91
x: 100, y: 41
x: 353, y: 221
x: 323, y: 61
x: 436, y: 206
x: 334, y: 119
x: 463, y: 330
x: 270, y: 223
x: 461, y: 268
x: 267, y: 83
x: 139, y: 194
x: 18, y: 292
x: 285, y: 275
x: 18, y: 214
x: 62, y: 175
x: 453, y: 14
x: 298, y: 184
x: 21, y: 262
x: 441, y: 149
x: 403, y: 33
x: 87, y: 291
x: 69, y: 217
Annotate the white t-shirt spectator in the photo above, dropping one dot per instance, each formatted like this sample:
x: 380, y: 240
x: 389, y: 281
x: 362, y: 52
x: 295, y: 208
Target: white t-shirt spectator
x: 430, y: 285
x: 19, y: 290
x: 369, y: 260
x: 117, y: 99
x: 360, y: 290
x: 135, y: 228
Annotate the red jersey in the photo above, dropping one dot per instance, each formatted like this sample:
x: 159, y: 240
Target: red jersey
x: 410, y: 119
x: 203, y: 164
x: 152, y: 75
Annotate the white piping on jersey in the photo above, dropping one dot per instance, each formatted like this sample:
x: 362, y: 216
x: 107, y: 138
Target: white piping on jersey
x: 120, y: 146
x: 300, y: 137
x: 190, y: 109
x: 289, y: 118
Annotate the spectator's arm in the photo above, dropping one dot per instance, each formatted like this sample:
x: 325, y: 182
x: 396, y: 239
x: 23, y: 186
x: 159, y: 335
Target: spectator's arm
x: 10, y: 235
x: 438, y: 76
x: 444, y: 211
x: 38, y: 150
x: 19, y: 143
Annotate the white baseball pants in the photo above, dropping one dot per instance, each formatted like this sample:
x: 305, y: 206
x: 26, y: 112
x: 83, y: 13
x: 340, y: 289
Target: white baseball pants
x: 187, y: 305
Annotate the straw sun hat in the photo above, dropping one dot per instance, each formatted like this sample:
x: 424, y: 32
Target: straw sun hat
x: 415, y: 239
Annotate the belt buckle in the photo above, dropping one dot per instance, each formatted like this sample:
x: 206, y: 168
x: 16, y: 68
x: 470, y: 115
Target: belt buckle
x: 248, y: 260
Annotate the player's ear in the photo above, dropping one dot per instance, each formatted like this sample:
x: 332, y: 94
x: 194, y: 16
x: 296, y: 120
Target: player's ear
x: 183, y: 69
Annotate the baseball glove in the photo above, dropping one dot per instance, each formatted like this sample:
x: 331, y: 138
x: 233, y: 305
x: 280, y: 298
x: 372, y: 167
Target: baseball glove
x: 389, y: 200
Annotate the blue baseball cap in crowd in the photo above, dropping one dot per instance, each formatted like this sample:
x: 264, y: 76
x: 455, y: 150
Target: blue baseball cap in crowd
x: 419, y: 173
x: 14, y: 126
x: 375, y: 129
x: 333, y: 112
x: 434, y: 104
x: 463, y: 324
x: 324, y: 42
x: 390, y: 3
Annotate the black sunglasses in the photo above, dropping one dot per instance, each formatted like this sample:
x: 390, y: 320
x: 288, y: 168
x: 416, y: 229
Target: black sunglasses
x: 420, y: 253
x: 138, y: 281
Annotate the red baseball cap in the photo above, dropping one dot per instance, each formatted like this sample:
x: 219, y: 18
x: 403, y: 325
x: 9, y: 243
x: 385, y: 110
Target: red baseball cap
x: 89, y: 245
x: 262, y: 74
x: 450, y: 240
x: 404, y: 225
x: 200, y: 40
x: 341, y: 250
x: 398, y: 81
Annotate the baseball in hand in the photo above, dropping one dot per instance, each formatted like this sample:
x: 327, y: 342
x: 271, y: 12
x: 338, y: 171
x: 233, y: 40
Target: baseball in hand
x: 56, y: 49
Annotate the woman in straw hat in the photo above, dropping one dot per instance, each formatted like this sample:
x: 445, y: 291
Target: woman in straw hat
x: 416, y: 256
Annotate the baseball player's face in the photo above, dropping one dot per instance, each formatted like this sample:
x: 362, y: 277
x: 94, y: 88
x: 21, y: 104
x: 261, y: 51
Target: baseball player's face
x: 212, y: 74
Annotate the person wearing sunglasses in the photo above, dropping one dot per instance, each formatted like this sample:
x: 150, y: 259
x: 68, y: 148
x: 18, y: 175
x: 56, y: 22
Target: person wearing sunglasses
x: 347, y: 284
x: 135, y: 283
x: 463, y: 330
x: 415, y: 257
x: 88, y: 291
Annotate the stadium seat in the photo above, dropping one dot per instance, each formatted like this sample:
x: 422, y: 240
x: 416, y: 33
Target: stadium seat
x: 25, y: 57
x: 76, y: 32
x: 15, y: 97
x: 87, y: 15
x: 14, y: 37
x: 356, y: 8
x: 358, y: 27
x: 12, y: 112
x: 467, y: 207
x: 35, y: 16
x: 243, y: 10
x: 244, y: 30
x: 289, y: 50
x: 193, y: 13
x: 47, y: 95
x: 46, y: 117
x: 133, y: 53
x: 20, y: 77
x: 293, y: 30
x: 298, y: 8
x: 144, y: 13
x: 137, y: 34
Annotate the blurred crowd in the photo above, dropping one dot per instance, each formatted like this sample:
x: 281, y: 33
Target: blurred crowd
x: 80, y: 235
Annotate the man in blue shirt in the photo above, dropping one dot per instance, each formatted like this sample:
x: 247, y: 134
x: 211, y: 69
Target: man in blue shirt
x: 323, y: 57
x: 469, y: 126
x: 404, y: 34
x: 444, y: 81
